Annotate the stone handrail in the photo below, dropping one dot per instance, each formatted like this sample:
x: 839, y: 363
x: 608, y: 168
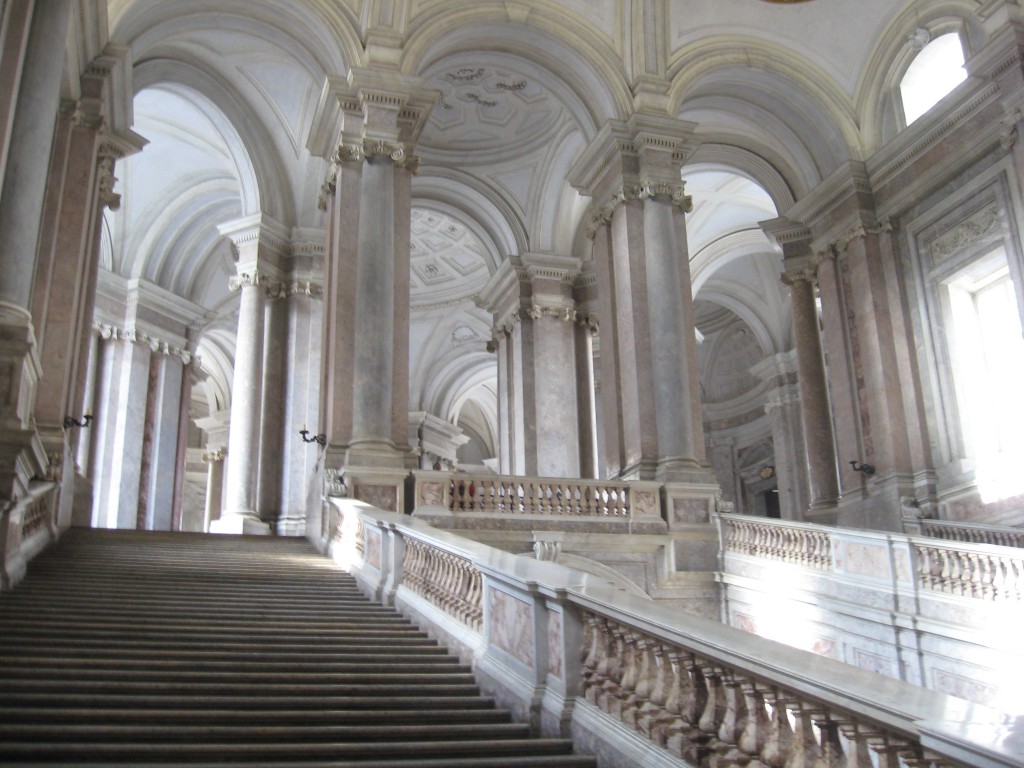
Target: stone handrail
x: 966, y: 532
x: 496, y: 495
x: 797, y: 543
x: 450, y: 582
x: 982, y: 571
x: 26, y: 528
x: 609, y: 667
x: 970, y: 570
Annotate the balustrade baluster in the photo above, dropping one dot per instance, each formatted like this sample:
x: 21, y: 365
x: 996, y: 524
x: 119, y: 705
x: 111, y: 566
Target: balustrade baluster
x: 591, y: 657
x: 733, y: 721
x: 830, y: 747
x: 757, y: 725
x: 779, y: 743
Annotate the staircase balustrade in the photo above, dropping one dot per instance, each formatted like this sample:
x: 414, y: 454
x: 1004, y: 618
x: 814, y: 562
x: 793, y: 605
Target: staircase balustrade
x: 615, y: 671
x: 26, y: 528
x: 494, y: 495
x: 966, y: 532
x: 983, y: 571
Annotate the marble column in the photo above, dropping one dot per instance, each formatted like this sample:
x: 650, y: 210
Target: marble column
x: 815, y: 410
x: 375, y: 119
x: 214, y: 486
x: 26, y: 157
x: 160, y: 455
x: 240, y: 513
x: 586, y: 330
x: 783, y: 409
x: 301, y: 484
x: 819, y: 440
x: 273, y: 409
x: 531, y: 298
x: 263, y: 249
x: 838, y: 347
x: 120, y: 425
x: 632, y: 170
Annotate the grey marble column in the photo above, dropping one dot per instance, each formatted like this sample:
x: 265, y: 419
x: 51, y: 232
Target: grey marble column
x: 26, y: 157
x: 240, y: 513
x: 304, y: 328
x: 28, y: 153
x: 214, y: 486
x: 531, y: 300
x: 273, y: 408
x: 120, y: 427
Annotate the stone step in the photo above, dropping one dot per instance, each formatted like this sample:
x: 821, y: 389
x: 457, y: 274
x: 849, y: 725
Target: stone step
x: 188, y: 647
x: 318, y: 678
x: 505, y: 761
x: 411, y: 685
x: 134, y: 649
x: 286, y: 750
x: 483, y: 712
x: 115, y: 661
x: 258, y: 734
x: 148, y: 700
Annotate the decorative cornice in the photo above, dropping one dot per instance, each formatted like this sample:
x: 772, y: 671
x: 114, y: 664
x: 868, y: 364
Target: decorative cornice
x: 887, y: 170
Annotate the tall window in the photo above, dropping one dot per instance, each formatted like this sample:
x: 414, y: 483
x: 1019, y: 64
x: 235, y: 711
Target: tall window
x: 934, y: 72
x: 988, y: 366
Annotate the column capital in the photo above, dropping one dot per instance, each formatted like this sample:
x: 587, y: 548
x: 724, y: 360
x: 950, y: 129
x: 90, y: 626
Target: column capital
x: 367, y: 105
x: 842, y: 203
x: 644, y: 151
x: 261, y: 247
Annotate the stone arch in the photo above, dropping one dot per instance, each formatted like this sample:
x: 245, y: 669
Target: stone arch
x: 251, y: 148
x: 325, y: 36
x: 748, y: 84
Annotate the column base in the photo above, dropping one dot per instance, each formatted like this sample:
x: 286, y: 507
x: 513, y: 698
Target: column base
x: 240, y: 524
x: 378, y: 454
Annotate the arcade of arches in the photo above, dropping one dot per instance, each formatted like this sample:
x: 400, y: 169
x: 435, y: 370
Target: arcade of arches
x: 763, y: 246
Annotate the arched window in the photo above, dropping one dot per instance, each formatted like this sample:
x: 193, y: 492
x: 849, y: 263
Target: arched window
x: 934, y: 72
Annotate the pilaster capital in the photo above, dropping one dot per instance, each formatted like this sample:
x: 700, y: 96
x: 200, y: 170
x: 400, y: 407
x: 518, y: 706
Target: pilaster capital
x: 212, y: 457
x: 793, y: 276
x: 644, y: 151
x: 106, y: 180
x: 565, y: 314
x: 369, y: 105
x: 589, y: 321
x: 244, y: 280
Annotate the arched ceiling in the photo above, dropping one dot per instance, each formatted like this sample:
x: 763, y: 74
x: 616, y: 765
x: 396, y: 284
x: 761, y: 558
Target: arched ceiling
x: 227, y: 89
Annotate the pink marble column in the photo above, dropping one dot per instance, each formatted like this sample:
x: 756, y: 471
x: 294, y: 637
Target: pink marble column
x: 819, y: 440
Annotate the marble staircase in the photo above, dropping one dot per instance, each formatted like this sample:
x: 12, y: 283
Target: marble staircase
x: 138, y: 648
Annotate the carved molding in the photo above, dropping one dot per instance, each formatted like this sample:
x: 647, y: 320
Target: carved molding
x: 209, y: 457
x: 565, y: 314
x: 982, y: 225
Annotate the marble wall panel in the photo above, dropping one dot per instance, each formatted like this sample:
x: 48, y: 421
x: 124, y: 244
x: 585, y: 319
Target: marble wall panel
x: 510, y: 625
x: 556, y: 664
